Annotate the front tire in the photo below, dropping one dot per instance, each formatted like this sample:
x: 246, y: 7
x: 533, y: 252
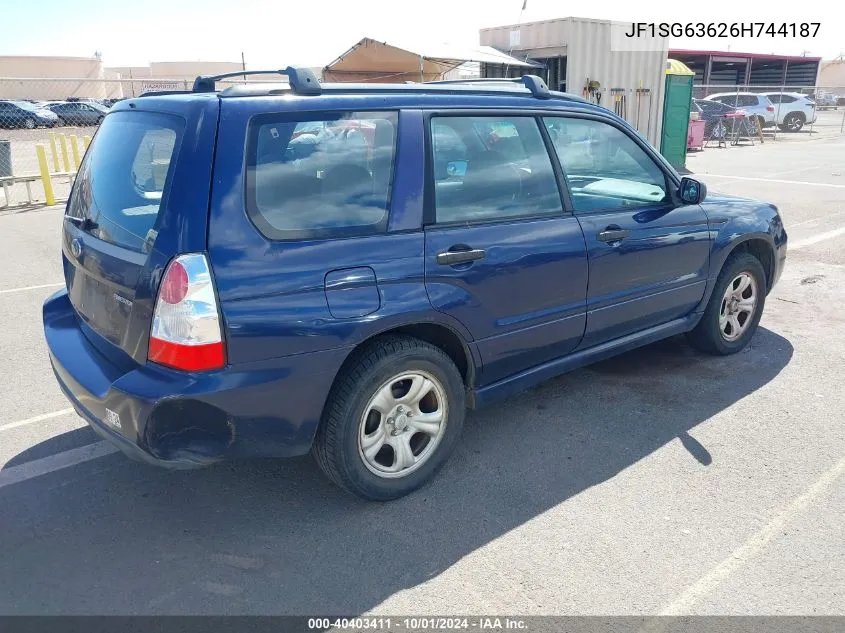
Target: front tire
x: 29, y: 124
x: 392, y: 419
x: 735, y: 307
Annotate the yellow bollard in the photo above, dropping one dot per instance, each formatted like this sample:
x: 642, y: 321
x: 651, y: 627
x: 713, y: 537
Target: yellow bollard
x: 74, y: 148
x: 54, y: 152
x: 86, y: 141
x: 63, y: 144
x: 45, y: 174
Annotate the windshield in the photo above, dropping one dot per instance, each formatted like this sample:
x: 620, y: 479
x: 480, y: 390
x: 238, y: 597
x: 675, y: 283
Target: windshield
x: 26, y: 105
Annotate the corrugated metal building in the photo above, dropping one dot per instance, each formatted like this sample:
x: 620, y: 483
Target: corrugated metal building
x: 583, y: 57
x: 715, y: 68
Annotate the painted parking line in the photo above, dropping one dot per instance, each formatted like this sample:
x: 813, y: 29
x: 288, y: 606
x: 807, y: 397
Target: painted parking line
x: 785, y: 182
x: 815, y: 239
x: 37, y: 418
x: 46, y: 465
x: 683, y: 604
x: 25, y: 288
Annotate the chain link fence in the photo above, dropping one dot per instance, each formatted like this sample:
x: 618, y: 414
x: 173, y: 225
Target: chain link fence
x: 785, y: 113
x: 62, y: 116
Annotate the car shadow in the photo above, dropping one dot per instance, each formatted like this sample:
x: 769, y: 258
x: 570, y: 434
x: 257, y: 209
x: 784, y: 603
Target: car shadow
x: 274, y: 537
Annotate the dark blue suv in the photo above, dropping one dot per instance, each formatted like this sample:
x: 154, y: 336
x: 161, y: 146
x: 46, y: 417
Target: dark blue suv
x: 345, y: 268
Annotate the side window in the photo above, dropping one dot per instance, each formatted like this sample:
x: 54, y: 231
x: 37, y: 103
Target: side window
x: 605, y: 168
x: 489, y: 168
x: 328, y: 176
x: 750, y: 100
x: 777, y: 99
x: 726, y: 99
x: 785, y: 99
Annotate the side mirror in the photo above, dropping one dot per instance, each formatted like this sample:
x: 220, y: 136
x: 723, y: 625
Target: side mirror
x: 692, y: 191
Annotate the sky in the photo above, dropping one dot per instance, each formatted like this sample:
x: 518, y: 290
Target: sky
x: 273, y: 34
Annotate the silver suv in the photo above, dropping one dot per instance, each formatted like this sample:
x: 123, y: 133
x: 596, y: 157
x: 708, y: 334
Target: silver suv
x: 792, y: 110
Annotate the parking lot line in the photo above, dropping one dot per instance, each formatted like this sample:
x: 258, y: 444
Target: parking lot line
x: 37, y: 418
x: 786, y: 182
x: 753, y: 546
x: 815, y: 239
x: 45, y: 465
x: 23, y: 288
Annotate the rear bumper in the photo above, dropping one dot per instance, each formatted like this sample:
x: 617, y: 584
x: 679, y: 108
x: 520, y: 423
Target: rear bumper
x: 185, y: 420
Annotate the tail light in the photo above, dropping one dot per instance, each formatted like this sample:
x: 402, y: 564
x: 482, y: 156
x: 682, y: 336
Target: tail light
x: 186, y: 331
x: 770, y: 108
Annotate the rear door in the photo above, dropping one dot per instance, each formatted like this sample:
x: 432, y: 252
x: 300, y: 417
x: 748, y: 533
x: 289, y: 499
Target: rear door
x: 648, y: 255
x: 124, y: 220
x: 501, y: 254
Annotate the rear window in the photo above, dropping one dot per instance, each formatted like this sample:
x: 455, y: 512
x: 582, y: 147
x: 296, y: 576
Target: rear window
x: 122, y: 183
x: 326, y: 175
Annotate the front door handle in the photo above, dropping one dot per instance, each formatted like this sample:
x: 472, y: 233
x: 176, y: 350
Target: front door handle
x: 613, y: 234
x: 450, y: 258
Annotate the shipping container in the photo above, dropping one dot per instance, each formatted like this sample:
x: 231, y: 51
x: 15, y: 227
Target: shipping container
x: 586, y: 58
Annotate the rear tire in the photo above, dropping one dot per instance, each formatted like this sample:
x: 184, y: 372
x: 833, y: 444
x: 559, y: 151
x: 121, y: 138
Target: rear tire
x: 390, y: 396
x: 735, y: 307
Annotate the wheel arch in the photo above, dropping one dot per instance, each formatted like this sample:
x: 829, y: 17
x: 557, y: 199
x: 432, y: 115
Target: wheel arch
x: 442, y: 336
x: 761, y: 248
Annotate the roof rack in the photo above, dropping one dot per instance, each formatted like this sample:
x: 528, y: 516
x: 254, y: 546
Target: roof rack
x: 535, y: 84
x: 302, y: 80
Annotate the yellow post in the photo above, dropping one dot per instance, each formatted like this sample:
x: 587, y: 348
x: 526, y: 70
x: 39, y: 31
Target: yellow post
x: 63, y: 144
x: 45, y: 174
x: 86, y: 141
x: 54, y: 152
x: 74, y: 148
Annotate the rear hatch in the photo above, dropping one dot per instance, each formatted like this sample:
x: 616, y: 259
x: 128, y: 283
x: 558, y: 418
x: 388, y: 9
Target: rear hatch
x: 121, y: 226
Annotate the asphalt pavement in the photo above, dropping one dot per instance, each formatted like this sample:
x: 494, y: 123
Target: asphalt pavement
x: 660, y: 482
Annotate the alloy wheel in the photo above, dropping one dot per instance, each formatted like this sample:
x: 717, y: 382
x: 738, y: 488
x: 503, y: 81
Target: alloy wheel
x: 738, y: 305
x: 402, y: 424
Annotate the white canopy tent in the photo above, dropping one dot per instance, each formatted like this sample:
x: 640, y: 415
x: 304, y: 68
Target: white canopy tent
x: 371, y: 60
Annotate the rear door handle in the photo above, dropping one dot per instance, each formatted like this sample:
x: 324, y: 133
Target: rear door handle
x: 613, y: 234
x: 450, y: 258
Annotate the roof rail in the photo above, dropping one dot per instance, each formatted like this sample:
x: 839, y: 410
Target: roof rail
x: 535, y: 84
x: 302, y: 80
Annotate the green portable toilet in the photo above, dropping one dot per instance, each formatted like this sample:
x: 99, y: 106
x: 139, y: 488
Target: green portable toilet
x: 676, y: 109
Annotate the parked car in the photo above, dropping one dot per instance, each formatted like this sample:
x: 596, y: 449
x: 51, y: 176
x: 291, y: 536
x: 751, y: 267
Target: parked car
x: 23, y: 114
x: 792, y: 110
x: 78, y: 112
x: 758, y: 108
x: 826, y: 100
x: 354, y: 300
x: 718, y: 117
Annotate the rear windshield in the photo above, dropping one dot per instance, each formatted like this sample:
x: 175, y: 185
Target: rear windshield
x: 122, y: 182
x: 325, y: 175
